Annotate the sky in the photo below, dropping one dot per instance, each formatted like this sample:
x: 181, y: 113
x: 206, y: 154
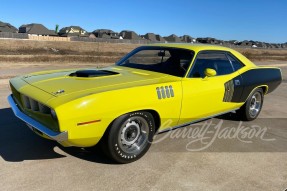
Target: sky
x: 262, y: 20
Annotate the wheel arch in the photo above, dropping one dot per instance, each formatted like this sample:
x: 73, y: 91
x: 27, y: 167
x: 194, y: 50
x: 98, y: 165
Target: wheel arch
x: 156, y: 118
x: 153, y: 112
x: 263, y: 87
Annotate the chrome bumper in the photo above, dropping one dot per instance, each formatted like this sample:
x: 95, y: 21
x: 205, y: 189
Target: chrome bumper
x: 59, y: 137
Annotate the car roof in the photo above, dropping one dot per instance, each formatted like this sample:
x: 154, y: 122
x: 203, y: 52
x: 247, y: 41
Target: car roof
x: 200, y: 47
x: 194, y: 47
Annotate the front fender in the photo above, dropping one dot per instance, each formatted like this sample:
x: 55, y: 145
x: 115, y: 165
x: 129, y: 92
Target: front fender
x: 87, y: 118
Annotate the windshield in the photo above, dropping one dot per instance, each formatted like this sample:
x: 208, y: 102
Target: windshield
x: 172, y: 61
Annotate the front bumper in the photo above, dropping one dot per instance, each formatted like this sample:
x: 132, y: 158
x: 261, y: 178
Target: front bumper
x: 35, y: 125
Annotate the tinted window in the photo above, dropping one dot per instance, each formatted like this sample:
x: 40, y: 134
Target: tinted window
x: 214, y: 60
x: 172, y: 61
x: 235, y: 63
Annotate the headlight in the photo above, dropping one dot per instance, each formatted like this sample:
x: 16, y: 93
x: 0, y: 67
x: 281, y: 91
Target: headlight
x: 53, y: 114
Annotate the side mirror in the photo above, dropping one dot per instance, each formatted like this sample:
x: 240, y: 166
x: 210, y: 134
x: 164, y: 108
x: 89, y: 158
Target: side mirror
x: 209, y: 72
x: 161, y: 54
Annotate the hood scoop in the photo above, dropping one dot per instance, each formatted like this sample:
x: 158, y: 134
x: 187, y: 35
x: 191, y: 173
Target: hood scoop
x: 92, y: 73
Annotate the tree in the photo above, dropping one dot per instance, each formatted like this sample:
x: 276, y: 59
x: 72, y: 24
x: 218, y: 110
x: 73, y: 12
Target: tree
x: 57, y: 28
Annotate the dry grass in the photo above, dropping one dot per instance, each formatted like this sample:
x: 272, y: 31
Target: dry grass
x: 264, y: 54
x: 60, y: 58
x: 61, y: 52
x: 91, y: 52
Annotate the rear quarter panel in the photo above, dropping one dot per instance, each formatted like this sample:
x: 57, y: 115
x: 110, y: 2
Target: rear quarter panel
x: 267, y: 77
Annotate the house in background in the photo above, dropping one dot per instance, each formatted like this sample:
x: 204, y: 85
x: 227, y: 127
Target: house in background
x: 187, y: 39
x: 131, y: 35
x: 7, y: 27
x: 73, y: 31
x: 150, y: 36
x: 208, y: 40
x: 153, y: 37
x: 245, y: 43
x: 91, y: 35
x: 29, y: 30
x: 36, y: 29
x: 233, y: 42
x: 268, y: 45
x: 274, y: 45
x: 227, y: 43
x: 159, y: 38
x: 260, y: 44
x: 172, y: 38
x: 106, y: 33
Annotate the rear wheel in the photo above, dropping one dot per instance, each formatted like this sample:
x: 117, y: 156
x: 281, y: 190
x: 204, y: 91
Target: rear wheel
x: 129, y: 137
x: 251, y: 109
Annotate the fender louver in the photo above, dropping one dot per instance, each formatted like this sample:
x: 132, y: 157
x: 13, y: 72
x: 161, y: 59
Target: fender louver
x: 164, y: 92
x: 229, y: 90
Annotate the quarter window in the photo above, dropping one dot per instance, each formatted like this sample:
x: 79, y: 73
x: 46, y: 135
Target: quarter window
x: 235, y: 63
x: 213, y: 60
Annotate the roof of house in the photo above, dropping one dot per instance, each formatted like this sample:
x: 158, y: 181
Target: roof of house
x: 37, y: 29
x: 186, y: 38
x: 209, y: 40
x: 126, y: 34
x: 245, y: 43
x: 105, y: 33
x: 159, y: 38
x: 172, y: 38
x: 7, y: 27
x: 73, y: 31
x: 150, y: 36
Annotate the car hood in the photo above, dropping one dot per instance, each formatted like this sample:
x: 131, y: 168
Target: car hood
x: 61, y: 83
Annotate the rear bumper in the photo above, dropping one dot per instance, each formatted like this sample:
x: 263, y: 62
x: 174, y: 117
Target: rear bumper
x: 61, y: 137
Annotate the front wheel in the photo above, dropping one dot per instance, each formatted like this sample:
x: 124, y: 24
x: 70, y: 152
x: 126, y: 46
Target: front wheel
x: 252, y: 107
x: 129, y: 137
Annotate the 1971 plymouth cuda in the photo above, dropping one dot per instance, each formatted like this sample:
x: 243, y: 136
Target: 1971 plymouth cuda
x: 121, y: 107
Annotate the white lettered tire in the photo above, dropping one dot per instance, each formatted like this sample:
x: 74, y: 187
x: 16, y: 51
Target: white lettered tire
x: 129, y: 137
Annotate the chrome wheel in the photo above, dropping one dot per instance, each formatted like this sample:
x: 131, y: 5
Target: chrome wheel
x: 255, y: 104
x: 133, y: 135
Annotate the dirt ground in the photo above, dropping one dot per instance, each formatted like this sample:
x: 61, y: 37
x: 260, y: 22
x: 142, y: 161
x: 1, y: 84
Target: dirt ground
x: 13, y: 51
x: 28, y: 162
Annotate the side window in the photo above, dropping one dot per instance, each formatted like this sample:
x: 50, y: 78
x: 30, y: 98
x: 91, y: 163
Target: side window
x: 214, y: 60
x: 149, y: 57
x: 235, y: 63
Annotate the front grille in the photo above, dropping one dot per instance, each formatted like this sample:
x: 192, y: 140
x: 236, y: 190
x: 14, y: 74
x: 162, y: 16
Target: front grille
x: 34, y: 105
x: 35, y: 110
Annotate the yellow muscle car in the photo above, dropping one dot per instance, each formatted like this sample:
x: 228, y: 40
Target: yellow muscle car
x: 121, y: 107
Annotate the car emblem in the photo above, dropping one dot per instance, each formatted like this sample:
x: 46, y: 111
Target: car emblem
x: 59, y: 92
x: 27, y: 76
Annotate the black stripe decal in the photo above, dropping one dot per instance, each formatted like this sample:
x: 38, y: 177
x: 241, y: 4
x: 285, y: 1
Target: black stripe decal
x: 251, y: 79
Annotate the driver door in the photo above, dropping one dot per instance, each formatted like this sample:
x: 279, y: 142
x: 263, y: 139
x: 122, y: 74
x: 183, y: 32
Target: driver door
x: 203, y: 95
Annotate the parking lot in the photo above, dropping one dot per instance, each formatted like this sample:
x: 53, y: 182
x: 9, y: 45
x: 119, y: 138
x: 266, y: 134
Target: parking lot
x: 28, y: 162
